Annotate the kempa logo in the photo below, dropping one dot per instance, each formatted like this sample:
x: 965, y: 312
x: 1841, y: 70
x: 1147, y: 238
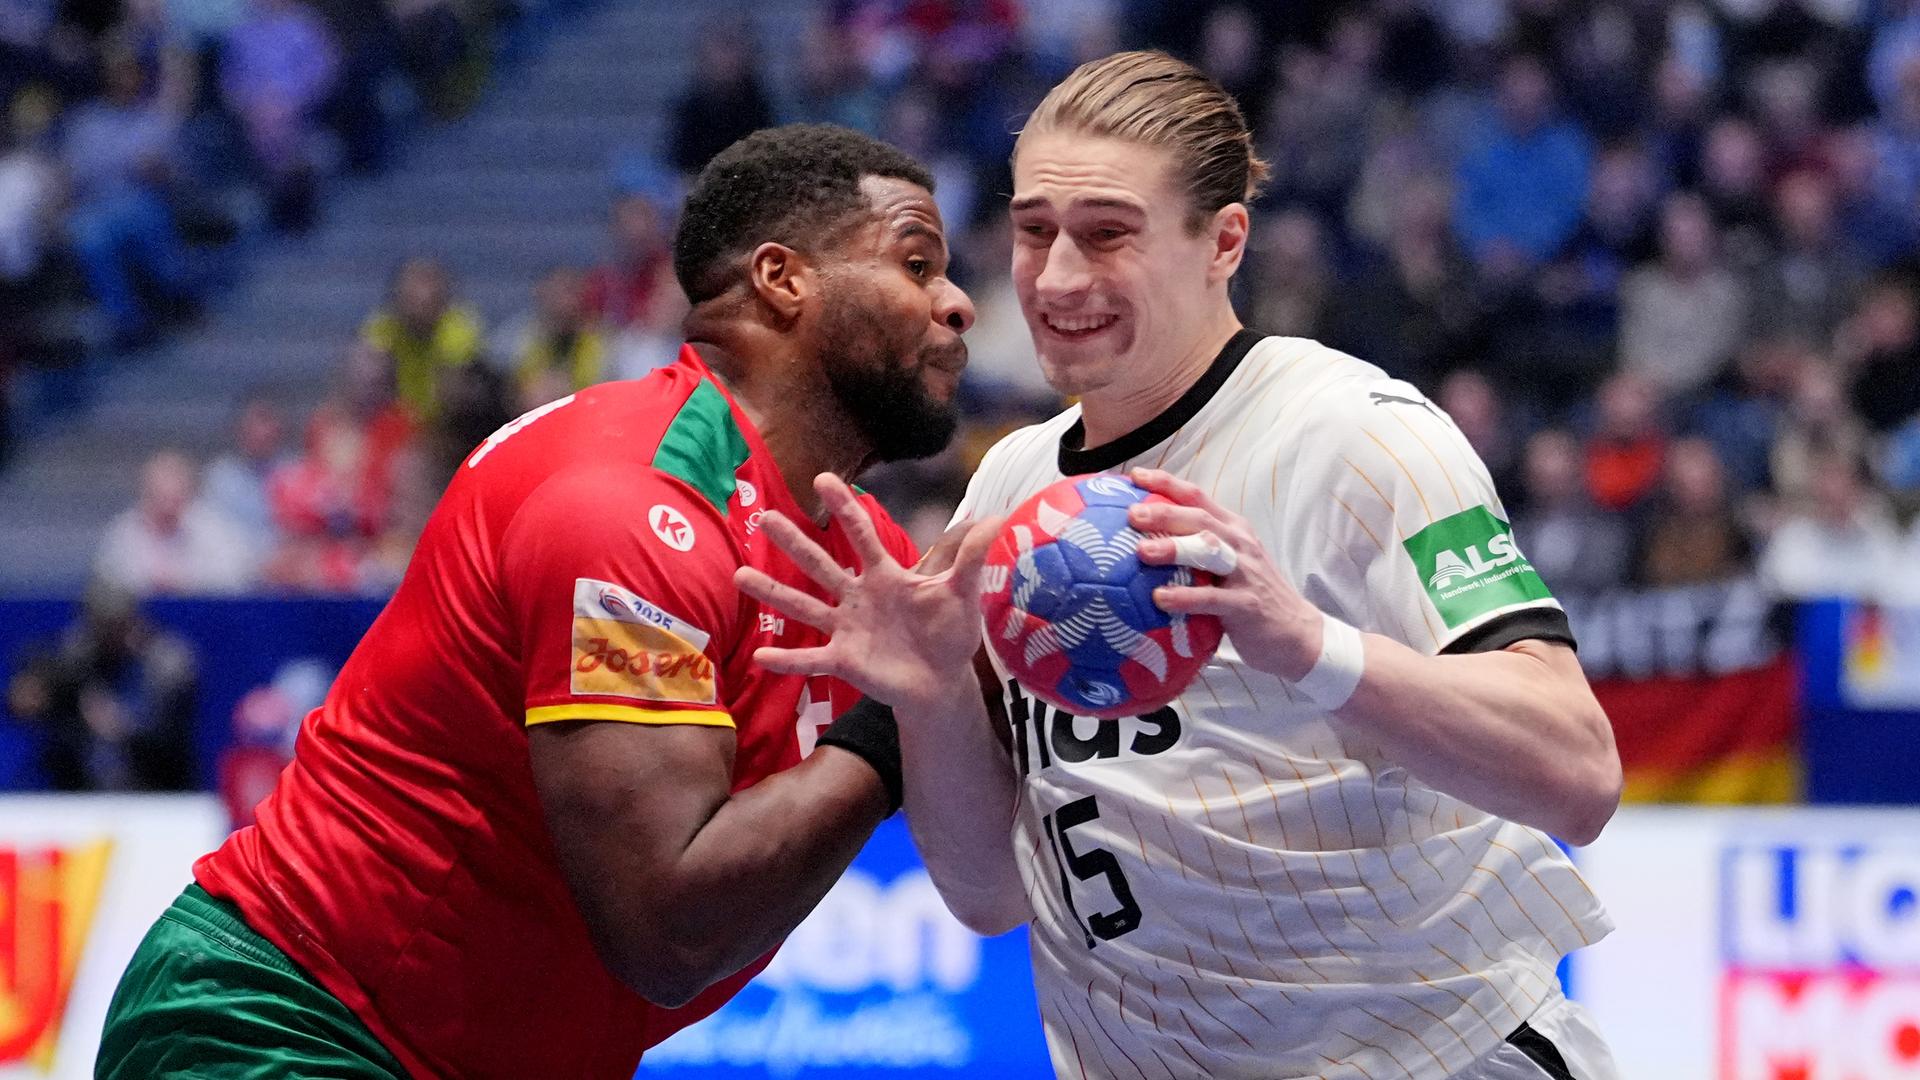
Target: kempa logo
x: 1471, y: 566
x: 1451, y: 567
x: 672, y: 527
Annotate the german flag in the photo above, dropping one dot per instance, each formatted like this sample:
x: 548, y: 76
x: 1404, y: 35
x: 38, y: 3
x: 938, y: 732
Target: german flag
x: 1731, y: 738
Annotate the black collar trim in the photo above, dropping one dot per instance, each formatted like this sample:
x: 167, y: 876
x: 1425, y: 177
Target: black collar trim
x: 1076, y: 458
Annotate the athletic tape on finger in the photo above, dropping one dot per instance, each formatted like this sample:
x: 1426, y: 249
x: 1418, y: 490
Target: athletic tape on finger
x: 1205, y: 551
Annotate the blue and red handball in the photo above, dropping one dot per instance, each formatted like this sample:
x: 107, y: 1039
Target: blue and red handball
x: 1069, y: 605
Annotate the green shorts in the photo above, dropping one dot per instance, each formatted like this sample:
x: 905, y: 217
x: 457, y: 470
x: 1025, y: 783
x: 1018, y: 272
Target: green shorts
x: 207, y: 997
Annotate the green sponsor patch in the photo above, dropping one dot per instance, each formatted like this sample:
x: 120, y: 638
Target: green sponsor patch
x: 1470, y: 566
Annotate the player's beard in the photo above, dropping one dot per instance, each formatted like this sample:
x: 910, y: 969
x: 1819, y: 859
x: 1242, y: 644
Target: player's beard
x: 887, y: 400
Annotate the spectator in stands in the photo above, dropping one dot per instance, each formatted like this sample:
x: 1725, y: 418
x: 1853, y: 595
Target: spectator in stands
x: 328, y: 503
x: 726, y: 100
x: 368, y: 397
x: 832, y: 87
x: 1879, y: 350
x: 1694, y: 535
x: 1491, y: 428
x: 1743, y: 414
x: 114, y: 701
x: 1412, y: 307
x: 1842, y: 542
x: 473, y: 402
x: 1871, y: 220
x: 235, y: 484
x: 1616, y: 234
x: 623, y: 291
x: 1818, y: 423
x: 1295, y: 284
x: 424, y: 332
x: 633, y: 295
x: 435, y: 51
x: 276, y: 70
x: 120, y: 154
x: 1733, y: 181
x: 1896, y: 135
x: 1624, y: 455
x: 1681, y: 317
x: 30, y: 196
x: 1324, y: 99
x: 1575, y: 547
x: 30, y: 204
x: 556, y: 348
x: 169, y: 541
x: 1804, y: 285
x: 1521, y: 188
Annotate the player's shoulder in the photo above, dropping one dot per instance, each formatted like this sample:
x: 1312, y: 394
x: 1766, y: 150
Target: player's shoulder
x: 1333, y: 397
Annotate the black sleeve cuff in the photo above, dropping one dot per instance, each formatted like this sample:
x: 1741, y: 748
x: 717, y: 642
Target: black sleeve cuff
x: 1537, y: 623
x: 868, y: 729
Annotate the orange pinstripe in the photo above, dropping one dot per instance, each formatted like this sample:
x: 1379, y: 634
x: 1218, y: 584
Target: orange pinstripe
x: 1403, y: 468
x: 1423, y: 1043
x: 1444, y: 471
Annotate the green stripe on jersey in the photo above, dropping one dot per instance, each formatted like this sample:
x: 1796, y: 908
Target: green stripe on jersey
x: 703, y: 445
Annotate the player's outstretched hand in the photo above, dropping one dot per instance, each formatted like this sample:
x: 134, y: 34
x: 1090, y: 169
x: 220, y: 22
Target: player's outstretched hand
x: 1273, y: 627
x: 900, y: 635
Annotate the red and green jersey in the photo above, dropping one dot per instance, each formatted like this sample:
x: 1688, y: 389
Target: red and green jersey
x: 579, y: 567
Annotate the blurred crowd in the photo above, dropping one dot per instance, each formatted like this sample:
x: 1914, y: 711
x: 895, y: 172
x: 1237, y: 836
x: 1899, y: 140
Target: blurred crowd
x: 1657, y: 258
x: 139, y: 139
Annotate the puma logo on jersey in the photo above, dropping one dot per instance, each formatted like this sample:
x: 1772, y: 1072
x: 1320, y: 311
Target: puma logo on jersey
x: 1451, y: 567
x: 1390, y: 399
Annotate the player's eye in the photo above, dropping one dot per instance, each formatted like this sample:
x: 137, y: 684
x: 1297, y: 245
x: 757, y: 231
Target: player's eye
x: 1107, y: 235
x: 919, y: 267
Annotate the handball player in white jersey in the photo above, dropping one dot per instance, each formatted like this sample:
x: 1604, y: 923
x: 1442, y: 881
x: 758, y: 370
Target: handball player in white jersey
x: 1331, y: 855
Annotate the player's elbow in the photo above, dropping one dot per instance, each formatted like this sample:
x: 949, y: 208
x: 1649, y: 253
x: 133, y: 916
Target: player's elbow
x: 990, y: 921
x: 1593, y: 796
x: 662, y: 974
x: 988, y: 914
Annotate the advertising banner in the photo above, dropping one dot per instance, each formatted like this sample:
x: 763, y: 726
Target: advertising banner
x: 81, y: 880
x: 1758, y: 944
x: 1703, y: 695
x: 879, y: 982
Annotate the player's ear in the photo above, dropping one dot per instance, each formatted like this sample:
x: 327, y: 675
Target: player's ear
x: 779, y: 276
x: 1227, y: 232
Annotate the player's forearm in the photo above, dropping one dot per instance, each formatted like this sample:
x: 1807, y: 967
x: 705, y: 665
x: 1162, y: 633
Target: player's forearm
x: 960, y: 794
x: 764, y: 860
x: 1515, y: 732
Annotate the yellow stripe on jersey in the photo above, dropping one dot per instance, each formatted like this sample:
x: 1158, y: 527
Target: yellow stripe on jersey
x: 547, y: 714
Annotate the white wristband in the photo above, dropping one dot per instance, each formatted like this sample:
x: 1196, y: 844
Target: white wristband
x: 1343, y: 658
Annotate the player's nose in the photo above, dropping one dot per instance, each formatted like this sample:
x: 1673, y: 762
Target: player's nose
x: 1064, y: 272
x: 953, y: 308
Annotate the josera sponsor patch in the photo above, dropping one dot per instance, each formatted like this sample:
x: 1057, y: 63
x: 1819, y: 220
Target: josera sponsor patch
x: 627, y: 646
x: 1470, y: 565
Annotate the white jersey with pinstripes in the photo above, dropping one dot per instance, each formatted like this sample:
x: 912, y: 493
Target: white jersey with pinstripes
x: 1237, y: 886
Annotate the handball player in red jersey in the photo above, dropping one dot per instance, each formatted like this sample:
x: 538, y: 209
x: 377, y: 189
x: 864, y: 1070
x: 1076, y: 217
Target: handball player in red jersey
x: 551, y: 811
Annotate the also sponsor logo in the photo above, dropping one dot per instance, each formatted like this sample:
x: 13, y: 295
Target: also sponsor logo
x: 1451, y: 566
x: 624, y: 645
x: 748, y: 493
x: 1471, y: 566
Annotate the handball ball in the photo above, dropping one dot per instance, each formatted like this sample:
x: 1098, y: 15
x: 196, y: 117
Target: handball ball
x: 1069, y: 605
